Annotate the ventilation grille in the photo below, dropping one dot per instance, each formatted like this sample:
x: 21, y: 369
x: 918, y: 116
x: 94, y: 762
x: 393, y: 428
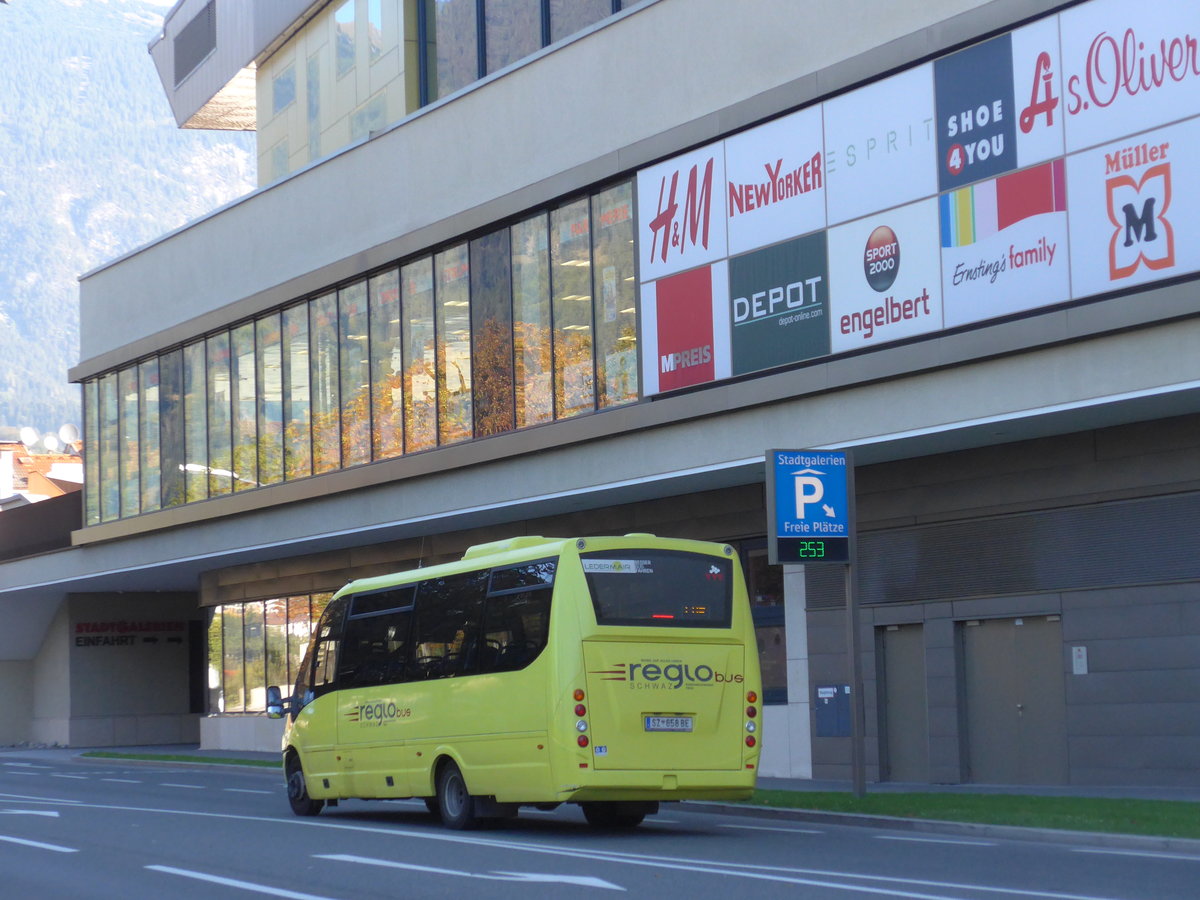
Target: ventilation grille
x: 1142, y: 541
x: 195, y: 41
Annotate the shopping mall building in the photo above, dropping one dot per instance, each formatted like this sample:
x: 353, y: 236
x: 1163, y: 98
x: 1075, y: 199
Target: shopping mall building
x: 572, y: 267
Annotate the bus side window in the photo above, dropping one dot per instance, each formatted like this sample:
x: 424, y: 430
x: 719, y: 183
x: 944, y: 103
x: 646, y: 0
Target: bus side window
x: 322, y: 677
x: 445, y: 631
x: 516, y: 627
x: 374, y: 649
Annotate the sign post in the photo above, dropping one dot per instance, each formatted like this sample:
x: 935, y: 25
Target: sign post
x: 810, y: 512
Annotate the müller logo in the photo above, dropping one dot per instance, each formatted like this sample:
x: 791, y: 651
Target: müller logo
x: 666, y: 675
x: 1137, y: 210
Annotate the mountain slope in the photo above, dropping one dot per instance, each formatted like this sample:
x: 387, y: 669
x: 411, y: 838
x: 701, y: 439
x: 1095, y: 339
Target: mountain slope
x: 91, y: 166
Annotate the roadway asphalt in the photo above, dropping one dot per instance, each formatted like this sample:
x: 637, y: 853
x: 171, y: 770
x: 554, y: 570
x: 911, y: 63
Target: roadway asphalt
x: 1187, y: 794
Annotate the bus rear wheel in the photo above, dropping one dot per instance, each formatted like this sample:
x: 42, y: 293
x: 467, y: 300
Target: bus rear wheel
x: 297, y: 789
x: 614, y: 815
x: 455, y: 805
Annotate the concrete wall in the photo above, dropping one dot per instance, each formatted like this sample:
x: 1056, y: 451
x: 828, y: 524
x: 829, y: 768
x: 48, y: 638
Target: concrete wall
x: 129, y: 668
x: 52, y: 685
x: 16, y: 701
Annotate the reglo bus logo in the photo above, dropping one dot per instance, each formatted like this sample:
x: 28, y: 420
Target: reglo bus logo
x: 377, y: 714
x: 666, y: 676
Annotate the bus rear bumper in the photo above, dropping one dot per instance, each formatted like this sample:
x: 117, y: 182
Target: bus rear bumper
x: 660, y: 785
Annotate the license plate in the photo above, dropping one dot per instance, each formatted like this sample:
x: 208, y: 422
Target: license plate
x: 668, y: 723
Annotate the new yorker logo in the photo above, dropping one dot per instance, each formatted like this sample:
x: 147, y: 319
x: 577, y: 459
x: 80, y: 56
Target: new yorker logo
x: 779, y: 185
x: 672, y: 233
x: 1137, y: 209
x: 666, y: 675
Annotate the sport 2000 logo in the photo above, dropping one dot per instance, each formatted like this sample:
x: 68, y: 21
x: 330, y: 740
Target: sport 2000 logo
x: 666, y: 676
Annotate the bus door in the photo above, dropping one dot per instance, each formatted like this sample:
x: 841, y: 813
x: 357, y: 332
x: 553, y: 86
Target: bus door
x: 665, y: 668
x: 313, y: 732
x: 372, y: 712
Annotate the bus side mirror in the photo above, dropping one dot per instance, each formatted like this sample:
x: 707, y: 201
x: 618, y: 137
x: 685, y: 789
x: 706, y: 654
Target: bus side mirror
x: 276, y: 706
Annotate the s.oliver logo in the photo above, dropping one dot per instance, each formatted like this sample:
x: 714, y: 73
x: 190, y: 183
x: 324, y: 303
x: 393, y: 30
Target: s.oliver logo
x: 380, y: 713
x: 666, y: 675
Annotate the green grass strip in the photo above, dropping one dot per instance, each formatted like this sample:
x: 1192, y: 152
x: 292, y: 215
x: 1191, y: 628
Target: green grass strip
x: 166, y: 757
x: 1160, y: 818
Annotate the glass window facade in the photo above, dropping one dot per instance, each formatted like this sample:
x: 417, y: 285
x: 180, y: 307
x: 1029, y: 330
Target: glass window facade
x: 252, y: 646
x: 464, y: 40
x: 530, y: 322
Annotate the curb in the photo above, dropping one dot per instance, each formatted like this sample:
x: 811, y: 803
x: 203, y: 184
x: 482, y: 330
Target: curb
x: 1145, y: 843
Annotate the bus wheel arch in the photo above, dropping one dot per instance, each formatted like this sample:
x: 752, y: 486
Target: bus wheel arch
x: 455, y: 805
x: 297, y: 788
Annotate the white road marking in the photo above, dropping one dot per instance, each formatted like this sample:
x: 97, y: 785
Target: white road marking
x: 1149, y: 854
x: 247, y: 791
x: 76, y: 777
x: 122, y: 780
x: 194, y: 787
x: 580, y: 880
x: 28, y: 765
x: 37, y: 844
x: 234, y: 883
x: 742, y: 870
x: 922, y: 840
x: 52, y: 813
x: 22, y: 772
x: 773, y: 828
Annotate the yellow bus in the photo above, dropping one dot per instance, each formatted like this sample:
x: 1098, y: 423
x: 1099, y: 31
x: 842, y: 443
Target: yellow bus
x: 612, y: 672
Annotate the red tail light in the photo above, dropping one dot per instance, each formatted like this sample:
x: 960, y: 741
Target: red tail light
x: 750, y: 741
x: 582, y: 740
x: 580, y: 709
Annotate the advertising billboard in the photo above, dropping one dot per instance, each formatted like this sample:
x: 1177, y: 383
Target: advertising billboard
x: 779, y: 299
x: 776, y: 181
x: 1042, y: 166
x: 880, y: 145
x: 885, y: 279
x: 685, y: 329
x: 1004, y: 245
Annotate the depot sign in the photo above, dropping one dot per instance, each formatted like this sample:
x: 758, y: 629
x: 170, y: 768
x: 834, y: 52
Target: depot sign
x: 1042, y: 166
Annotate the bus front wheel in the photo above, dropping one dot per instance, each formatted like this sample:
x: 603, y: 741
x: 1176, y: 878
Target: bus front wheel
x: 297, y: 789
x: 455, y: 806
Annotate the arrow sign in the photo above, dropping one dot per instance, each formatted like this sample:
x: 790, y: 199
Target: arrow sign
x: 30, y: 812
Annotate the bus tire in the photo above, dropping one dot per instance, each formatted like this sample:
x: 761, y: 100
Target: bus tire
x: 455, y: 805
x: 297, y: 789
x: 611, y: 815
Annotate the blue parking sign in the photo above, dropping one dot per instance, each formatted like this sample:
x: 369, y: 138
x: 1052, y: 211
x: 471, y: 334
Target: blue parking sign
x: 810, y: 506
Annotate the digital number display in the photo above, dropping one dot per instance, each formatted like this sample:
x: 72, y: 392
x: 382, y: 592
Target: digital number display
x: 814, y: 550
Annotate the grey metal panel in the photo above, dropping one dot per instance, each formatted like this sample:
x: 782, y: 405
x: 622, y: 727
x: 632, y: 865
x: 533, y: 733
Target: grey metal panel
x: 1177, y: 652
x: 1124, y: 686
x: 1131, y: 620
x: 1147, y: 717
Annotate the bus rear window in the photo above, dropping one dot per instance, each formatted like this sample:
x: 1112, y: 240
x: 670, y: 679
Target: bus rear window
x: 659, y: 588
